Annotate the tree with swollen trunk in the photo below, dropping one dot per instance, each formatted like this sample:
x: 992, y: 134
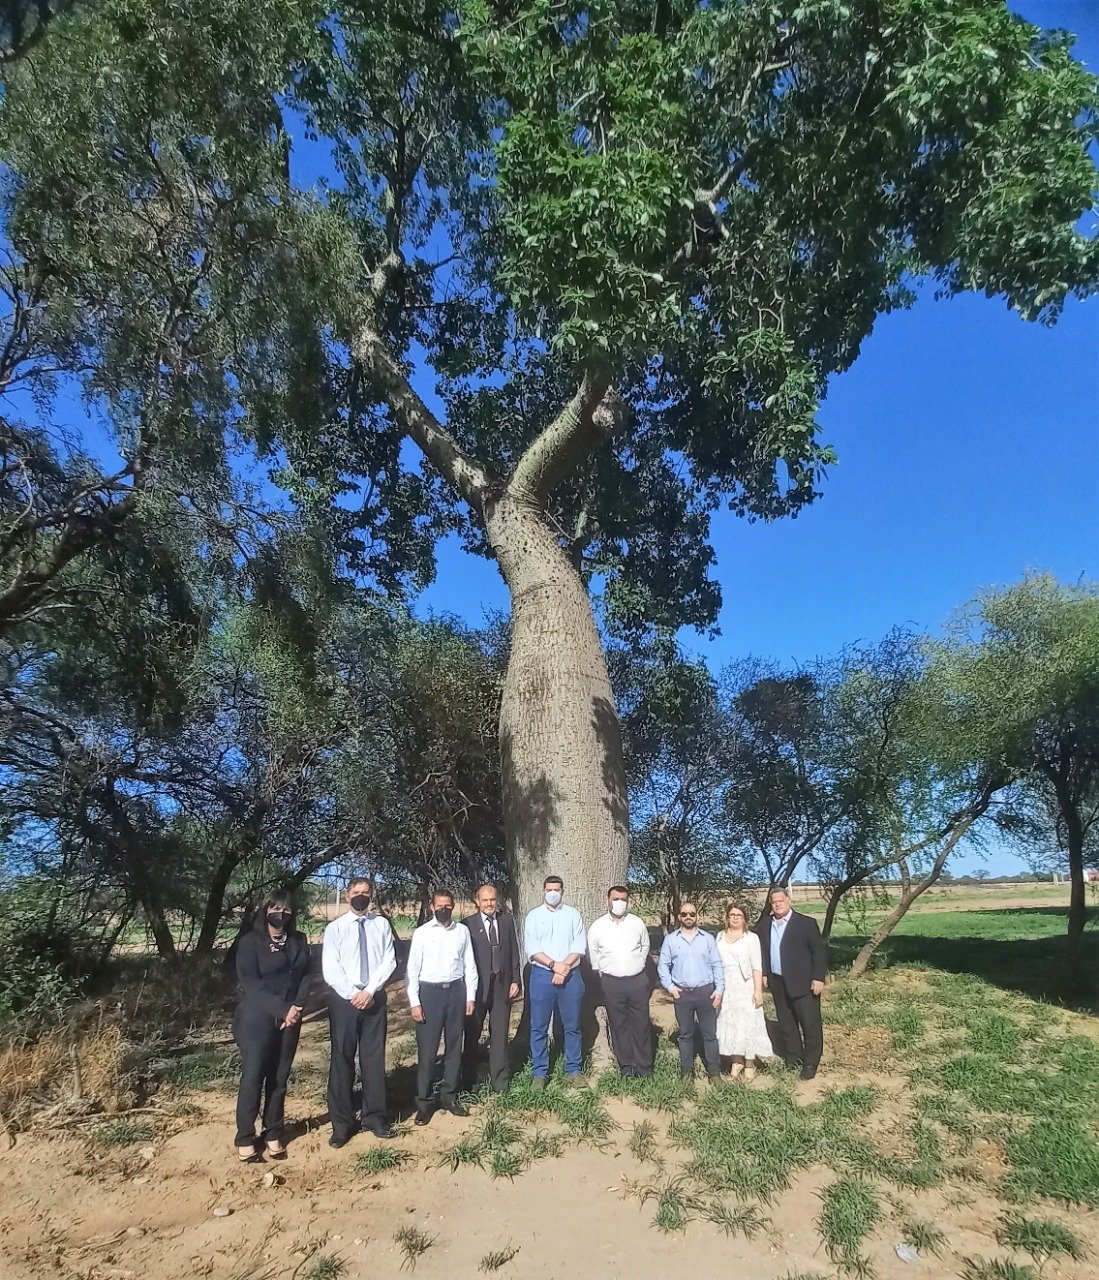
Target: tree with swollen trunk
x: 608, y: 256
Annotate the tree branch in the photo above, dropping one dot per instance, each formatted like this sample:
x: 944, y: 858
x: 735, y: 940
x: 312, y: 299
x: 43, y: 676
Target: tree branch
x: 416, y: 419
x: 594, y: 413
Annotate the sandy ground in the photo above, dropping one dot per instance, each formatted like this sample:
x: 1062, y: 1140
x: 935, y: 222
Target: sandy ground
x: 70, y: 1208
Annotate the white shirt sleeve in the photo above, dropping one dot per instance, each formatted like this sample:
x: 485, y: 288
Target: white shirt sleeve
x: 471, y: 966
x: 388, y: 966
x: 595, y: 951
x: 415, y: 964
x: 332, y: 968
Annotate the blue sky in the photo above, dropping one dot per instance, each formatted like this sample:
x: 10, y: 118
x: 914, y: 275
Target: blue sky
x: 968, y: 446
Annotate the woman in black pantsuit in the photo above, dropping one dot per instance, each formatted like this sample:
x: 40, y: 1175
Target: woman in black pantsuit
x: 273, y: 971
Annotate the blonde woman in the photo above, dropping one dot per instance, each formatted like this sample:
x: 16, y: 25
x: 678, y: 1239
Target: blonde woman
x: 741, y: 1027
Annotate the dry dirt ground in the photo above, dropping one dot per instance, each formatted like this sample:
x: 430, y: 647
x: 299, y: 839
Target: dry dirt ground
x: 70, y: 1207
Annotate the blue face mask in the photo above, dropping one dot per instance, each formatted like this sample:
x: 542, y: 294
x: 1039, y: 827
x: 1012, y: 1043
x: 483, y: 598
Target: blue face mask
x: 553, y: 897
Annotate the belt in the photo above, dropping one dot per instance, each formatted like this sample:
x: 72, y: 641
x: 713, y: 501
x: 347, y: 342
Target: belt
x: 701, y: 988
x: 444, y: 986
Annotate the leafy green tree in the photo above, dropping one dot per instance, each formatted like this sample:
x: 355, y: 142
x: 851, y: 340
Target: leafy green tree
x: 1028, y: 658
x: 627, y: 245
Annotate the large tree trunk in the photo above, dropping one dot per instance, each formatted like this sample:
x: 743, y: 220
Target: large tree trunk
x: 1074, y: 840
x: 564, y: 788
x: 214, y: 906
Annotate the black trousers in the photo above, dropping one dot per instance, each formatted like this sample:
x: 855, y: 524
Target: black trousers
x: 266, y: 1056
x: 627, y: 1003
x: 800, y: 1026
x: 693, y: 1009
x: 494, y: 1003
x: 362, y: 1032
x: 444, y: 1006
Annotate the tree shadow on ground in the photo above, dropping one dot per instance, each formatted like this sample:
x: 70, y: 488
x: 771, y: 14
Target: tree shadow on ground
x: 1053, y: 969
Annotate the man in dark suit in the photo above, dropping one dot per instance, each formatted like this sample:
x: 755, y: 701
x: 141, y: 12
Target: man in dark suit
x: 499, y: 973
x: 795, y: 963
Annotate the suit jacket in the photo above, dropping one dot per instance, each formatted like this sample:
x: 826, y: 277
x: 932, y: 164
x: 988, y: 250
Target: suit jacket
x: 804, y: 953
x: 271, y: 981
x: 510, y: 959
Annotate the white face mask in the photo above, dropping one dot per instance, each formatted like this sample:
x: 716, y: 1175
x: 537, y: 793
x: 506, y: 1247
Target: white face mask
x: 619, y: 907
x: 553, y: 897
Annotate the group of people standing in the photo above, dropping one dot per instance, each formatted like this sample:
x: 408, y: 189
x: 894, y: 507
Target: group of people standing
x: 460, y: 973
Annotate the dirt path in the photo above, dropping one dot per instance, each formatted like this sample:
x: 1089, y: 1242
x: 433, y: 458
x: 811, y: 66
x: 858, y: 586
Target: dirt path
x: 70, y: 1208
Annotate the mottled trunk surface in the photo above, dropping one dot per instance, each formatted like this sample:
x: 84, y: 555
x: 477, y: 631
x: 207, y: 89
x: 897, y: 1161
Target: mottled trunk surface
x: 564, y: 789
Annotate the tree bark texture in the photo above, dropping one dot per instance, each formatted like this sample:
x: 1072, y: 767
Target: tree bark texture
x: 564, y: 788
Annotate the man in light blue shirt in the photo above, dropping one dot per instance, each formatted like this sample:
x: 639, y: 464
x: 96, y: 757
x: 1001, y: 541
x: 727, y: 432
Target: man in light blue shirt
x: 691, y: 972
x: 553, y: 938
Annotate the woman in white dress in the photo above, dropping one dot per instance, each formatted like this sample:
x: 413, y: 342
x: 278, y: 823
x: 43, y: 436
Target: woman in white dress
x: 741, y: 1027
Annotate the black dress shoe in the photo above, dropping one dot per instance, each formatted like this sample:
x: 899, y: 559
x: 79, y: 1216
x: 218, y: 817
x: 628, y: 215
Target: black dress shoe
x: 380, y: 1129
x: 455, y: 1108
x: 337, y: 1141
x: 423, y: 1115
x: 808, y: 1071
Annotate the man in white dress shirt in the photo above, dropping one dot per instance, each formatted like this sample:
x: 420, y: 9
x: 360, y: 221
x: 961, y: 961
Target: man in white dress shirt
x: 442, y: 987
x: 618, y: 948
x: 357, y: 960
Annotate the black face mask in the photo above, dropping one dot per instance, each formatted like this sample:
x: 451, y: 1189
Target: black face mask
x: 278, y: 919
x: 360, y: 901
x: 443, y: 914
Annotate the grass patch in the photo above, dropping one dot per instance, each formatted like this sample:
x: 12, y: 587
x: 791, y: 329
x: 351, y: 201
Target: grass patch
x: 327, y: 1266
x: 464, y: 1151
x: 1040, y: 1238
x: 505, y: 1163
x: 206, y: 1069
x: 497, y: 1132
x: 736, y: 1219
x: 643, y: 1142
x: 1055, y: 1157
x: 923, y: 1235
x: 121, y: 1131
x: 380, y: 1160
x: 544, y: 1146
x: 413, y: 1243
x: 850, y: 1208
x: 492, y: 1262
x: 997, y: 1269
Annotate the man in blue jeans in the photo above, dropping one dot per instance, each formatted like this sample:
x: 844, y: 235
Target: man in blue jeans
x: 553, y: 938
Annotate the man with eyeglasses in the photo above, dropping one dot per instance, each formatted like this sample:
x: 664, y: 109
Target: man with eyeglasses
x: 691, y: 972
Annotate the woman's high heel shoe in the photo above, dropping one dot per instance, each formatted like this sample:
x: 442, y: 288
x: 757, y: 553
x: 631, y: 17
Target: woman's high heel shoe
x: 276, y: 1150
x: 249, y: 1155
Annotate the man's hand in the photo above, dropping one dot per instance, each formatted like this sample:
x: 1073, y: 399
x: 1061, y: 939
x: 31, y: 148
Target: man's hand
x: 715, y: 999
x: 675, y: 992
x: 362, y: 999
x: 816, y: 986
x: 561, y: 969
x: 513, y: 991
x: 764, y: 984
x: 469, y: 1008
x: 293, y: 1017
x: 558, y: 979
x: 417, y: 1013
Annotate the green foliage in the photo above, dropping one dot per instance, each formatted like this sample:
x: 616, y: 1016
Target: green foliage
x: 1040, y: 1238
x: 997, y: 1269
x: 122, y: 1131
x: 497, y: 1258
x: 849, y: 1211
x: 924, y: 1236
x: 380, y: 1160
x: 413, y: 1243
x: 325, y: 1266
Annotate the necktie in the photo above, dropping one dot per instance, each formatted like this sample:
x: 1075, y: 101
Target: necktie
x: 364, y: 958
x: 494, y: 940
